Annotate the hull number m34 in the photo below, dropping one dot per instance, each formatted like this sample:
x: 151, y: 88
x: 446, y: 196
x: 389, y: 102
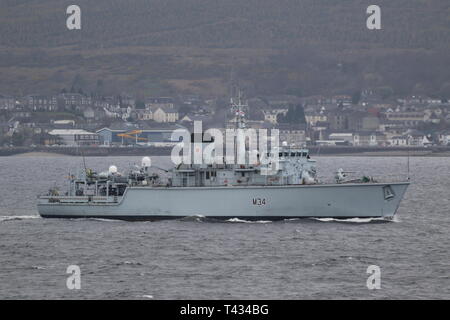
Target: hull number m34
x: 259, y: 201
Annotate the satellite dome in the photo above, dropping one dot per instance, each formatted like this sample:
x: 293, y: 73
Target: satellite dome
x: 112, y: 169
x: 146, y: 162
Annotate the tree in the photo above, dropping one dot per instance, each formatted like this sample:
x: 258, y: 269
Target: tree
x: 281, y: 118
x: 385, y: 92
x: 295, y: 115
x: 100, y: 87
x: 444, y: 91
x: 17, y: 139
x: 184, y: 109
x: 295, y: 92
x: 140, y: 104
x: 78, y: 82
x: 300, y: 114
x: 356, y: 97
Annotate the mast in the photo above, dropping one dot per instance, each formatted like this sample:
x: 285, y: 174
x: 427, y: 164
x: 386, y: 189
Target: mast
x: 238, y: 107
x: 239, y: 110
x: 408, y: 167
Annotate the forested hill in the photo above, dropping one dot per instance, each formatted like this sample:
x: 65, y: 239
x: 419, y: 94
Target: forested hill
x: 226, y: 23
x: 34, y: 35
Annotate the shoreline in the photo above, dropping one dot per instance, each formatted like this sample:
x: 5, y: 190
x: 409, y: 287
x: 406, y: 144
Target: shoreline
x: 156, y: 151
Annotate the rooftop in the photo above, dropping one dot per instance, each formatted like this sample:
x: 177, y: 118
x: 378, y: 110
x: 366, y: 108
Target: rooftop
x: 62, y: 132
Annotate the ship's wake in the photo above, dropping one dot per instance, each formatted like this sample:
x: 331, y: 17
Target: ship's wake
x: 201, y: 218
x: 13, y: 218
x: 236, y: 220
x: 357, y: 220
x: 195, y: 218
x: 97, y: 219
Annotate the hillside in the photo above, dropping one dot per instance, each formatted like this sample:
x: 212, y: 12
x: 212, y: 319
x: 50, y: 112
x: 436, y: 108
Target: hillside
x: 301, y: 46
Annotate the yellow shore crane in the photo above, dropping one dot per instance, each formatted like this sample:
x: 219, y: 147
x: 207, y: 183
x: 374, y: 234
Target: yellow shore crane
x: 132, y: 135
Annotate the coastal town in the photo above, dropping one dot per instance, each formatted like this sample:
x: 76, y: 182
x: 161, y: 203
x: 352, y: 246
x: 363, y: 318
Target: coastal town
x: 363, y: 119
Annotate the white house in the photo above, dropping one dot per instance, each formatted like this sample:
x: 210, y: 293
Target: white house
x: 165, y: 114
x: 365, y: 138
x: 272, y: 114
x: 444, y: 138
x: 398, y: 141
x: 344, y: 137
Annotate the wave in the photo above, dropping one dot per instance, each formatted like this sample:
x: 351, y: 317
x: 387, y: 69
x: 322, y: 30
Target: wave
x: 38, y: 268
x: 132, y: 263
x: 236, y: 220
x: 194, y: 218
x: 12, y: 218
x: 100, y: 219
x: 356, y: 220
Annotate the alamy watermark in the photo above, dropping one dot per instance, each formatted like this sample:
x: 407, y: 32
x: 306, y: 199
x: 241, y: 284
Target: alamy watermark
x: 234, y: 146
x: 374, y: 20
x: 73, y: 22
x: 374, y: 280
x: 73, y: 282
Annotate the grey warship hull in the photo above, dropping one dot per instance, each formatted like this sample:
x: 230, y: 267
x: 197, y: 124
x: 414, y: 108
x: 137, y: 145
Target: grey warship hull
x: 343, y: 201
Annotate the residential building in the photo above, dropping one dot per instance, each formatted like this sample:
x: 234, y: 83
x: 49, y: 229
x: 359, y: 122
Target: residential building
x: 281, y: 100
x: 162, y: 102
x: 192, y: 118
x: 345, y: 100
x: 7, y: 102
x: 41, y: 103
x: 294, y: 135
x: 271, y: 115
x: 165, y: 114
x: 341, y: 137
x: 94, y: 114
x: 398, y: 141
x: 313, y: 117
x: 444, y: 138
x: 369, y: 138
x: 74, y: 101
x: 408, y: 118
x: 417, y: 138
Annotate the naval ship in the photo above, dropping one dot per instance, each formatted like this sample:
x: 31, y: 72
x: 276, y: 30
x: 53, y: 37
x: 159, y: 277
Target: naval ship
x: 224, y: 191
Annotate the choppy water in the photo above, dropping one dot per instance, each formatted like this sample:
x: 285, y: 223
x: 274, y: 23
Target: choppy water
x: 197, y: 259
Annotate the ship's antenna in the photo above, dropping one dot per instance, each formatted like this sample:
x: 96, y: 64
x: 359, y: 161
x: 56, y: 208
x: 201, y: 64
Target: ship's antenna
x: 232, y: 78
x: 320, y: 145
x: 409, y: 178
x: 84, y: 160
x: 318, y: 150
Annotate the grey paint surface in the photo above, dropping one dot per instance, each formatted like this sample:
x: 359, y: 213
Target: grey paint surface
x: 336, y: 200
